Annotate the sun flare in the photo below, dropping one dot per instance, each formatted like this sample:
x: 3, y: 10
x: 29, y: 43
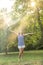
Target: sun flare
x: 33, y: 4
x: 6, y: 7
x: 6, y: 4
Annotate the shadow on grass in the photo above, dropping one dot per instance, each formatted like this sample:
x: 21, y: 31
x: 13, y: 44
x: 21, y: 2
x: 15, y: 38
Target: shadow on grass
x: 37, y: 62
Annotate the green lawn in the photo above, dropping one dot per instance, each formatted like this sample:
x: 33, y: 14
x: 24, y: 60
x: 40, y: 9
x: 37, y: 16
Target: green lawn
x: 29, y: 58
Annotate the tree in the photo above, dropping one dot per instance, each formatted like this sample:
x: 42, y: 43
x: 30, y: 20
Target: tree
x: 29, y: 18
x: 24, y: 8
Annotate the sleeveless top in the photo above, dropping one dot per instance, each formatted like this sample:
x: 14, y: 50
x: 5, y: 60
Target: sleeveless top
x: 20, y: 40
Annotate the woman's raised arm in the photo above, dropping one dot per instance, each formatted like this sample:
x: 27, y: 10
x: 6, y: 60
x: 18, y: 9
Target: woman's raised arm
x: 28, y: 34
x: 13, y: 31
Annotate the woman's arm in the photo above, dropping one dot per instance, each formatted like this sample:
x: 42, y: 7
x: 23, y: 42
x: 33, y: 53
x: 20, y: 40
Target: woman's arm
x: 13, y: 31
x: 28, y: 34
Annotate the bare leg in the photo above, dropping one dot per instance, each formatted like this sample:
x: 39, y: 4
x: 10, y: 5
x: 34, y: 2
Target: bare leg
x: 20, y: 52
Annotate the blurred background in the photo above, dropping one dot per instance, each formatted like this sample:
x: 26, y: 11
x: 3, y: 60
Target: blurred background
x: 21, y: 15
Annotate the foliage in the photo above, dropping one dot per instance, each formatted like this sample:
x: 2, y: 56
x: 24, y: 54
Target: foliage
x: 29, y: 19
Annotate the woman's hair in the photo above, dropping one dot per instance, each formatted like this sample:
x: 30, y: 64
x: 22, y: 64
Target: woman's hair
x: 20, y: 33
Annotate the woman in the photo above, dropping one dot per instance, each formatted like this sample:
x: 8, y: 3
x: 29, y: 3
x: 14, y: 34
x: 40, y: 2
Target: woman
x: 21, y: 44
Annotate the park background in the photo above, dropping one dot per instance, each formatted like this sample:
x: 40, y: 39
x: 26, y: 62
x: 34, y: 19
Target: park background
x: 21, y: 16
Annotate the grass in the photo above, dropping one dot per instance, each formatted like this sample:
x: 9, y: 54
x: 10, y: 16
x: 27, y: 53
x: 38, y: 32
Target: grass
x: 29, y: 58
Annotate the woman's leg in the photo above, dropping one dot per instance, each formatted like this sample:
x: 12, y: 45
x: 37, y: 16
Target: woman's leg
x: 20, y: 52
